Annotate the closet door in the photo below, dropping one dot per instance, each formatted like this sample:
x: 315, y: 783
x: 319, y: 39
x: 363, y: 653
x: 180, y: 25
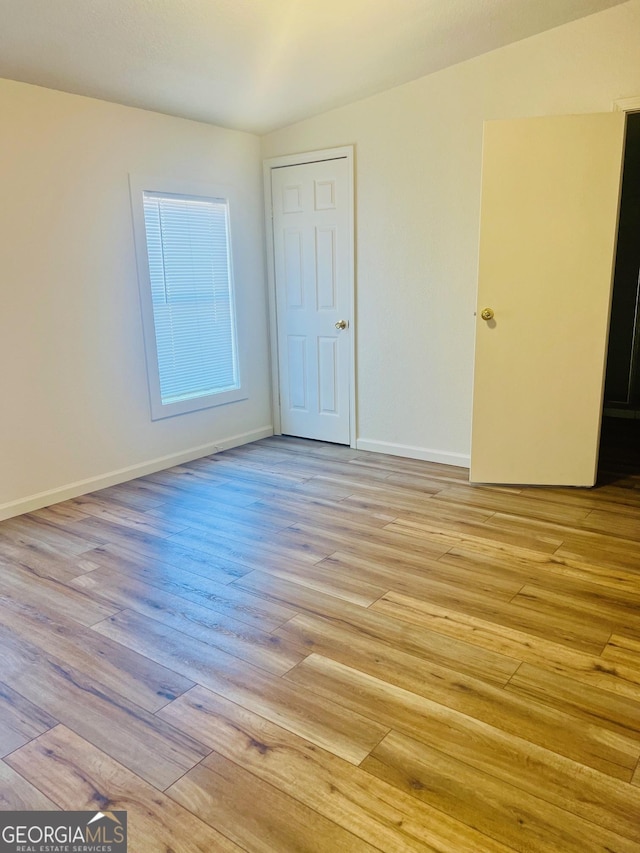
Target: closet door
x: 550, y: 196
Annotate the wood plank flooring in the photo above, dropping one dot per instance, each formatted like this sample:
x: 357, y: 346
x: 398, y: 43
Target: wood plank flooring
x: 294, y: 646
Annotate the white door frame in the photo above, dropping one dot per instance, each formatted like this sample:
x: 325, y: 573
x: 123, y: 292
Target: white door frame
x: 627, y: 105
x: 345, y: 151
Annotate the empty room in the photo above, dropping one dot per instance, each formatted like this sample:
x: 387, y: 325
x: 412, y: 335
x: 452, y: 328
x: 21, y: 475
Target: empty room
x: 320, y: 436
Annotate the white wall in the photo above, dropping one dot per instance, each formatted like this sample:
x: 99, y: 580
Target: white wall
x: 73, y: 388
x: 418, y: 165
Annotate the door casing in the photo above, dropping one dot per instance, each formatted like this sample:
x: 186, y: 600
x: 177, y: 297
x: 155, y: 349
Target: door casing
x: 344, y: 152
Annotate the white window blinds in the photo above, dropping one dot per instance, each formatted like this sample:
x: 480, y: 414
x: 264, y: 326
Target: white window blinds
x: 187, y: 239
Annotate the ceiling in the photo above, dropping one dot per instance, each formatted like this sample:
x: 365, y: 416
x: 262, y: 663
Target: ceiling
x: 256, y: 65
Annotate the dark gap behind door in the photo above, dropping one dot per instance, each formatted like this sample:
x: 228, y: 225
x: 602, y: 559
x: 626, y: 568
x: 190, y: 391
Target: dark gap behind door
x: 620, y: 442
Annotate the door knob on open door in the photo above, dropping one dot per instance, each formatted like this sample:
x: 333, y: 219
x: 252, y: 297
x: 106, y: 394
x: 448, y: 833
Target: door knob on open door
x: 341, y: 324
x: 487, y: 313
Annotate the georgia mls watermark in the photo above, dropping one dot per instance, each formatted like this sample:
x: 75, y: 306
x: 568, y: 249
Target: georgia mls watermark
x: 63, y: 832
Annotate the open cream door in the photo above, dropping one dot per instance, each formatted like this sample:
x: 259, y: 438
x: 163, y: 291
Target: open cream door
x: 550, y: 195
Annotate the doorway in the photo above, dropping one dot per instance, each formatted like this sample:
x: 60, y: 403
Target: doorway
x: 620, y: 435
x: 309, y: 201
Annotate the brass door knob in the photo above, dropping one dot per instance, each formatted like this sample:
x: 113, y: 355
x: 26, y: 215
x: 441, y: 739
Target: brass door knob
x: 487, y: 313
x: 341, y: 324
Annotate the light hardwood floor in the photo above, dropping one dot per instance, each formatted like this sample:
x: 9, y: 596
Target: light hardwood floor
x: 294, y: 646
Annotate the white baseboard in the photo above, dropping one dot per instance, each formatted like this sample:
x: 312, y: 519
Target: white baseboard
x: 92, y: 484
x: 444, y: 458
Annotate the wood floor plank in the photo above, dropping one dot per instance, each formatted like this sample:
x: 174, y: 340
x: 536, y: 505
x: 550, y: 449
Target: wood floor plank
x: 257, y: 516
x: 131, y: 735
x: 39, y: 562
x: 137, y: 678
x: 76, y: 775
x: 591, y: 609
x: 394, y: 500
x: 581, y: 536
x: 418, y: 581
x: 360, y: 803
x: 559, y: 658
x: 514, y: 500
x: 553, y: 530
x: 621, y: 649
x: 413, y: 507
x: 18, y: 584
x: 203, y: 623
x: 410, y: 495
x: 165, y: 557
x: 607, y: 497
x: 20, y: 720
x: 30, y: 530
x: 452, y: 533
x: 17, y: 794
x: 586, y: 701
x: 608, y: 551
x: 486, y: 664
x: 558, y: 572
x: 263, y: 455
x: 208, y: 587
x: 309, y: 466
x: 58, y: 514
x: 301, y: 446
x: 102, y: 531
x: 147, y: 521
x: 591, y: 744
x: 414, y: 477
x: 256, y: 815
x: 203, y: 491
x: 389, y: 542
x: 297, y: 508
x: 245, y: 523
x: 178, y: 485
x: 123, y: 495
x: 571, y: 631
x: 408, y: 465
x: 322, y: 579
x: 220, y: 465
x: 522, y: 821
x: 350, y: 735
x: 255, y: 553
x: 331, y: 488
x: 558, y: 781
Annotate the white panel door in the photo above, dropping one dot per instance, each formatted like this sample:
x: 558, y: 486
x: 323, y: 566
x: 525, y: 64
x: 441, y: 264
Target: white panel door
x: 550, y: 196
x: 313, y: 276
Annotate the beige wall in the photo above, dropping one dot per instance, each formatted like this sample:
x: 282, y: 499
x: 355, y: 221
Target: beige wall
x: 418, y: 164
x: 75, y: 409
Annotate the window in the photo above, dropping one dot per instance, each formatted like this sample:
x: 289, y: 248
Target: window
x: 187, y: 297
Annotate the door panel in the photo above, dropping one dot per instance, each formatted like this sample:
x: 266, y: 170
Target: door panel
x: 313, y: 273
x: 327, y: 379
x: 293, y: 269
x: 326, y: 269
x: 550, y: 195
x: 297, y: 371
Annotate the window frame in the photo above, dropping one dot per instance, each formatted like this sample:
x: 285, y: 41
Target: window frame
x: 138, y: 185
